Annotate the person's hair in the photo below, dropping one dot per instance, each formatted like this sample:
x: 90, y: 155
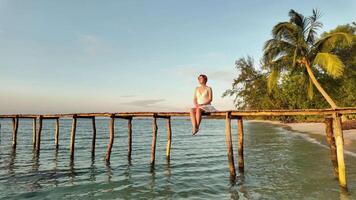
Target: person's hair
x: 204, y: 76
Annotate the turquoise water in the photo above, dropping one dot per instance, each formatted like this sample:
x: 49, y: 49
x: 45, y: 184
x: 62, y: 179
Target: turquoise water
x: 279, y: 164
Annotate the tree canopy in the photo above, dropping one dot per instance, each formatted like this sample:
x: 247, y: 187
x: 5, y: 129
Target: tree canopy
x: 281, y: 80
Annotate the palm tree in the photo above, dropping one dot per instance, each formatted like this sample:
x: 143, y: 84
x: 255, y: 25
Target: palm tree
x: 294, y: 47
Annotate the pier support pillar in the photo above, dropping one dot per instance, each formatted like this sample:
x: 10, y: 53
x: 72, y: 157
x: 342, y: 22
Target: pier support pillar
x: 38, y: 135
x: 15, y: 125
x: 72, y: 137
x: 111, y: 137
x: 240, y: 144
x: 34, y: 132
x: 56, y: 134
x: 129, y: 127
x: 154, y: 138
x: 339, y: 140
x: 169, y: 138
x: 331, y: 141
x: 93, y: 141
x: 230, y: 154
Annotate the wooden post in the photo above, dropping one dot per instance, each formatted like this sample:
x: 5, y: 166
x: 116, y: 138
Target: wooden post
x: 72, y: 137
x: 240, y: 144
x: 94, y: 137
x: 331, y: 141
x: 15, y: 125
x: 154, y: 138
x: 230, y: 154
x: 169, y: 138
x: 340, y: 150
x: 111, y: 140
x: 129, y: 126
x: 34, y: 132
x: 38, y: 135
x: 56, y: 134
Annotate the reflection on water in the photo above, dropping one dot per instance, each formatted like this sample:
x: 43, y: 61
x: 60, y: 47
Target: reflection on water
x: 279, y: 164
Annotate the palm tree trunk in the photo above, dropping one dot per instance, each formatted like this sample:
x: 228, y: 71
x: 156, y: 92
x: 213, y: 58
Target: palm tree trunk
x: 317, y: 84
x: 337, y: 128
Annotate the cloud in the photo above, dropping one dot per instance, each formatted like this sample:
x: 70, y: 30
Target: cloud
x: 128, y: 96
x: 223, y: 75
x: 144, y: 103
x: 91, y: 44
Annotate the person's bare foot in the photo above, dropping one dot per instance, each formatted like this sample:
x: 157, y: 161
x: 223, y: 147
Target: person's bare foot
x: 195, y: 130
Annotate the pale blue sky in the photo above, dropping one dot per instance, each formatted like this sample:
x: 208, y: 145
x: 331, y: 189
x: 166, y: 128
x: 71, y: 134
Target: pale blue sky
x: 112, y: 56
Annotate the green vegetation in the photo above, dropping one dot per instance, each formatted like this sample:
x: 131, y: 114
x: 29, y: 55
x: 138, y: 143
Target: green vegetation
x: 295, y: 62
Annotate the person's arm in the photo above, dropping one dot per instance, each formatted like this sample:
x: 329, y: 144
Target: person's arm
x: 195, y: 98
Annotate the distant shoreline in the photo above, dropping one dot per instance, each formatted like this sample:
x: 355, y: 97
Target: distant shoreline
x: 316, y: 128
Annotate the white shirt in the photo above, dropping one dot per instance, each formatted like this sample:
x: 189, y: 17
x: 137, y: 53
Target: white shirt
x: 202, y: 97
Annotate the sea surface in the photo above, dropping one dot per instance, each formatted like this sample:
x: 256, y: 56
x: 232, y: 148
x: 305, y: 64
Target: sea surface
x: 279, y: 164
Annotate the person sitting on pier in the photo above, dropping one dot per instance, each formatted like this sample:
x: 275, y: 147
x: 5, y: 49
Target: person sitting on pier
x: 203, y: 96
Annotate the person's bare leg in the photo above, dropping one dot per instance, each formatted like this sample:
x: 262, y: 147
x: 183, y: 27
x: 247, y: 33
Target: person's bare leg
x: 192, y: 118
x: 198, y: 117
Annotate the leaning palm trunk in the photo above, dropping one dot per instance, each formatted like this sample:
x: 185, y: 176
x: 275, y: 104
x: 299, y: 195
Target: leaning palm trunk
x: 317, y: 84
x: 336, y: 126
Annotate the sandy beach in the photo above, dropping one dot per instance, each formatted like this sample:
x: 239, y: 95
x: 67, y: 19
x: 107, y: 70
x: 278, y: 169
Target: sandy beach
x: 314, y: 128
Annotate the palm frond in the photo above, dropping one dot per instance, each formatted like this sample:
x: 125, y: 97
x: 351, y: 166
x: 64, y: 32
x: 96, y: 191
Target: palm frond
x: 272, y: 79
x: 275, y: 48
x: 314, y: 25
x: 276, y: 68
x: 330, y: 63
x: 297, y: 19
x: 330, y: 41
x: 295, y: 56
x: 285, y: 30
x: 310, y: 90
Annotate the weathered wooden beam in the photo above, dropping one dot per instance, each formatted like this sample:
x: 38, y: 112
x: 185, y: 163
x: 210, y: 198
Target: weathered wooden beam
x: 85, y: 117
x: 123, y: 117
x: 93, y: 141
x: 15, y: 125
x: 230, y: 154
x: 169, y: 138
x: 163, y: 116
x: 111, y: 139
x: 34, y: 132
x: 56, y: 134
x: 54, y: 117
x: 240, y: 144
x: 331, y: 141
x: 72, y: 137
x: 154, y: 139
x: 38, y: 135
x: 340, y: 150
x: 129, y: 126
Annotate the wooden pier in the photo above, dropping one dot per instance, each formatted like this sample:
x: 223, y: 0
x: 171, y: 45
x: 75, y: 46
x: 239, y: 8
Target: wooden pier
x: 333, y: 124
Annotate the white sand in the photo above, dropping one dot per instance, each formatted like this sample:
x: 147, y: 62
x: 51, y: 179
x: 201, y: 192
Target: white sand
x: 314, y: 128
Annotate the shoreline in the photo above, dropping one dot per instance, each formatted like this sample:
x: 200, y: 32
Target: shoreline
x: 314, y: 128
